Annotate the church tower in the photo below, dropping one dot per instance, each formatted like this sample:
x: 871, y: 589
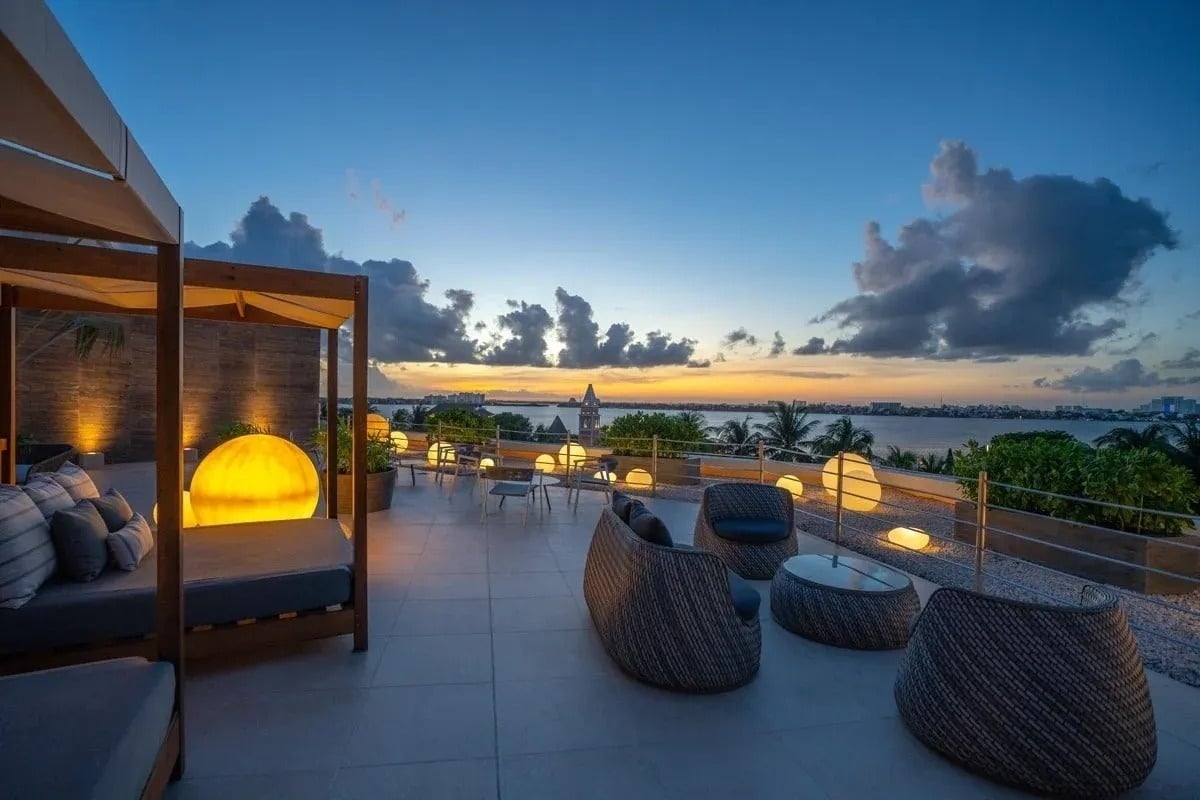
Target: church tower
x: 589, y: 418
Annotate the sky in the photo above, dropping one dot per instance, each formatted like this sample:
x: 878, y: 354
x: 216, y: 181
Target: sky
x: 957, y: 202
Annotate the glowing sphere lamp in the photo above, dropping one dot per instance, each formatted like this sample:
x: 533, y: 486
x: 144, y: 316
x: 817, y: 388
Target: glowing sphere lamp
x: 571, y: 453
x: 399, y: 441
x: 545, y: 463
x: 639, y: 477
x: 830, y: 473
x: 606, y: 476
x: 487, y: 461
x: 860, y: 490
x: 910, y: 538
x: 791, y: 483
x: 254, y: 478
x: 448, y: 454
x: 377, y: 426
x: 189, y: 515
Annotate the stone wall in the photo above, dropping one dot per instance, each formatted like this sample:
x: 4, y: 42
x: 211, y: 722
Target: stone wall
x: 265, y: 374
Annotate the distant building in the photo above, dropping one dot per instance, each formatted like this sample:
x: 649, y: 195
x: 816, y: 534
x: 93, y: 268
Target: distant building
x: 877, y: 407
x: 557, y: 428
x: 1170, y: 405
x: 456, y: 399
x: 589, y: 418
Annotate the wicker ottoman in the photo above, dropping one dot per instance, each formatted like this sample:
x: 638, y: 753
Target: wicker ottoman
x: 845, y: 601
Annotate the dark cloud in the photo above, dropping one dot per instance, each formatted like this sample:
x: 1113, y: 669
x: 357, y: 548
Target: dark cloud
x: 583, y: 346
x: 719, y: 358
x: 1030, y: 266
x: 1126, y: 374
x: 739, y: 336
x: 995, y: 359
x: 814, y: 346
x: 778, y: 346
x: 704, y: 364
x: 1128, y: 350
x: 1189, y: 360
x: 528, y: 325
x: 816, y: 375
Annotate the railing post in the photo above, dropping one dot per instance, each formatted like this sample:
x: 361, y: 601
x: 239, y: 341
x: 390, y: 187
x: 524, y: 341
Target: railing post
x: 654, y: 466
x: 981, y: 494
x: 497, y: 445
x: 837, y: 528
x: 762, y: 465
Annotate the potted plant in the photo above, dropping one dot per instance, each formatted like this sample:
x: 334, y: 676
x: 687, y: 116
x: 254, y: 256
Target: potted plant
x: 381, y: 474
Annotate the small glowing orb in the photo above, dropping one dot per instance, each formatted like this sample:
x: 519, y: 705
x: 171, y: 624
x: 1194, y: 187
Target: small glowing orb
x: 545, y: 463
x: 189, y: 515
x: 792, y: 484
x: 911, y: 538
x: 572, y: 453
x: 606, y: 476
x: 399, y: 441
x: 639, y: 477
x: 487, y: 461
x: 829, y: 474
x: 377, y: 426
x: 254, y: 478
x: 860, y: 490
x: 448, y: 454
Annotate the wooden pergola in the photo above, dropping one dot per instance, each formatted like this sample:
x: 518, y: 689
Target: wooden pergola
x: 69, y: 167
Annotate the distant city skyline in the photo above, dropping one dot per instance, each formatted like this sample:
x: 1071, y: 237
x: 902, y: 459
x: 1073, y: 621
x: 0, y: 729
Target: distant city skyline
x: 990, y: 203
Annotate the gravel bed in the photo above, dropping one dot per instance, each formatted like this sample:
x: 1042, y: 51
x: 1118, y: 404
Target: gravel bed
x: 954, y: 564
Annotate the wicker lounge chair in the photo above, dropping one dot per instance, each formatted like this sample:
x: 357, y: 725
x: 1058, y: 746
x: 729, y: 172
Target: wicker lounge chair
x: 666, y: 615
x: 749, y: 525
x: 1051, y: 699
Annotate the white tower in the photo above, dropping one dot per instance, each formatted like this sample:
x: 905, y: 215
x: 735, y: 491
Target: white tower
x: 589, y: 418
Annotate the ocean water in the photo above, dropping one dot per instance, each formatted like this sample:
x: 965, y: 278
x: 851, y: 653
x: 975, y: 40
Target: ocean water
x: 908, y: 433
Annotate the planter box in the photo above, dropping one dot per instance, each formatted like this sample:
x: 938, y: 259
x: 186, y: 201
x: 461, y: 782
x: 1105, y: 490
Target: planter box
x: 1135, y: 551
x: 379, y: 491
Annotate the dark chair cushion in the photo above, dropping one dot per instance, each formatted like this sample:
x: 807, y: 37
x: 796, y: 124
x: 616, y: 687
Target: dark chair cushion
x: 114, y: 509
x: 754, y: 530
x: 649, y: 527
x: 622, y: 504
x: 745, y: 597
x: 80, y: 541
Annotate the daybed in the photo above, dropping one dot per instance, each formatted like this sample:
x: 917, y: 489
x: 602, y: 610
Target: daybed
x: 670, y: 615
x: 100, y: 731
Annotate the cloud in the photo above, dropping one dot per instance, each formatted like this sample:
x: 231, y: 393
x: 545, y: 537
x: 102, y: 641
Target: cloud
x: 994, y: 359
x: 528, y: 325
x: 1126, y: 374
x: 396, y: 216
x: 1030, y: 266
x: 583, y: 347
x: 1148, y: 338
x: 778, y: 346
x: 1189, y: 360
x: 739, y: 336
x: 705, y: 364
x: 719, y: 358
x: 814, y: 346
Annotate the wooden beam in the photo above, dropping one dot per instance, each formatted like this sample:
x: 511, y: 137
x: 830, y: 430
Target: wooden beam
x: 239, y: 300
x: 16, y: 216
x: 359, y: 464
x: 17, y: 252
x: 331, y: 423
x: 271, y: 280
x: 8, y: 385
x: 169, y: 457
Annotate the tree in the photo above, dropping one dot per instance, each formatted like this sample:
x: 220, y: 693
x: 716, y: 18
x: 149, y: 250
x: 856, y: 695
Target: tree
x: 514, y: 426
x: 693, y: 419
x: 843, y: 436
x: 738, y: 436
x: 89, y: 333
x: 402, y: 418
x: 420, y: 415
x: 900, y: 459
x: 932, y: 462
x: 1184, y: 438
x: 630, y: 434
x: 1152, y: 437
x: 787, y: 428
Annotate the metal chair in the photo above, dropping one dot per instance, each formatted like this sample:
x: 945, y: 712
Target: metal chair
x: 599, y: 472
x: 508, y: 482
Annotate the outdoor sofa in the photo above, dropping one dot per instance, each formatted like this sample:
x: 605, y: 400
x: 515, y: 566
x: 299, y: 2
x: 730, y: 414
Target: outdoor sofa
x: 669, y: 615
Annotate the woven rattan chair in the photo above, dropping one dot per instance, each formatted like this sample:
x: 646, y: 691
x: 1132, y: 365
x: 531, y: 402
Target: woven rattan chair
x: 1048, y: 698
x: 726, y: 502
x: 665, y: 614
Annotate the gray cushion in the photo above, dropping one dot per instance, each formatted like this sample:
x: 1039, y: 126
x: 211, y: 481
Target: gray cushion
x: 114, y: 509
x: 649, y: 527
x: 77, y: 482
x: 26, y: 551
x: 47, y: 495
x: 79, y: 535
x: 746, y: 598
x: 230, y: 572
x: 622, y: 504
x: 755, y: 530
x: 89, y: 731
x: 131, y: 543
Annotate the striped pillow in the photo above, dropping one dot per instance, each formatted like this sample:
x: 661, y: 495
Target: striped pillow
x: 77, y: 482
x: 26, y: 550
x: 129, y: 545
x: 47, y: 495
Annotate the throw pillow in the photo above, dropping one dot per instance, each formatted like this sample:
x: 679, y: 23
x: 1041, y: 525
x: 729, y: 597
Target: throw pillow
x: 622, y: 504
x: 79, y: 533
x: 47, y: 495
x: 113, y: 508
x: 26, y: 551
x: 77, y: 482
x: 131, y: 544
x: 649, y: 527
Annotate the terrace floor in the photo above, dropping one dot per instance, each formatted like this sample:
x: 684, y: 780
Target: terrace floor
x: 485, y: 679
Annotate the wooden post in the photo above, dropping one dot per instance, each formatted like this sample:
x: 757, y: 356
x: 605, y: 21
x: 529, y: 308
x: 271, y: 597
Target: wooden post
x: 654, y: 466
x: 358, y: 464
x: 331, y: 423
x: 981, y: 504
x: 8, y: 386
x: 841, y: 470
x: 762, y: 461
x: 169, y: 457
x: 497, y: 445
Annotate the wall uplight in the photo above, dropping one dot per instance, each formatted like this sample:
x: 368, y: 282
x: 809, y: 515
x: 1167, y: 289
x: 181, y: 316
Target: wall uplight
x: 254, y: 478
x: 791, y: 483
x: 911, y: 538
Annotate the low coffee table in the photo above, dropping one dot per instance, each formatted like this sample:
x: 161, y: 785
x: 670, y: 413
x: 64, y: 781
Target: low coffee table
x: 846, y: 601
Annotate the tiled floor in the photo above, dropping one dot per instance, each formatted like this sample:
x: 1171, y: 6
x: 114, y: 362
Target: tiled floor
x: 484, y: 679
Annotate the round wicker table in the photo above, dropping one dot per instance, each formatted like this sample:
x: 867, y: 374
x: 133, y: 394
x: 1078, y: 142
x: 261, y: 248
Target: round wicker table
x: 846, y: 601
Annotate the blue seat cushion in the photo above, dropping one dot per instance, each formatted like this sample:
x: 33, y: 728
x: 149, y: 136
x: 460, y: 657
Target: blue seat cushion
x: 745, y: 597
x: 649, y: 527
x: 754, y: 530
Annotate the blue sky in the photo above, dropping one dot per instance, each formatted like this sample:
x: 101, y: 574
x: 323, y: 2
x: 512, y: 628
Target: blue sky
x: 693, y: 171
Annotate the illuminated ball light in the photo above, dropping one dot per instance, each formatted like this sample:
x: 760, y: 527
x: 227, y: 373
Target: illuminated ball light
x: 378, y: 427
x: 399, y: 441
x: 487, y: 461
x: 639, y: 477
x: 254, y: 478
x: 448, y: 454
x: 830, y: 472
x: 189, y: 514
x: 910, y: 538
x: 860, y: 490
x: 571, y: 453
x: 545, y: 463
x: 792, y: 484
x: 604, y: 475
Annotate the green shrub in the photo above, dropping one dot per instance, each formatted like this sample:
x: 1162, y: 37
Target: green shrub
x: 630, y: 434
x: 238, y: 428
x: 1064, y: 465
x: 379, y: 451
